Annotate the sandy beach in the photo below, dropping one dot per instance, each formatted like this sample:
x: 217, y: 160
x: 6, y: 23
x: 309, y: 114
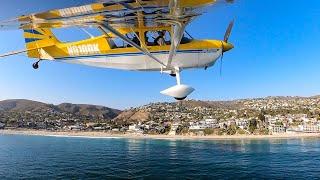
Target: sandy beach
x: 92, y: 134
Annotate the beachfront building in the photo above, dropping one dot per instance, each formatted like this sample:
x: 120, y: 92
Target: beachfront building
x: 242, y: 123
x: 277, y: 129
x: 76, y: 127
x: 174, y: 128
x: 197, y: 126
x: 134, y: 127
x: 115, y: 130
x: 99, y: 128
x: 271, y: 119
x: 309, y: 128
x: 223, y: 125
x: 207, y: 123
x: 211, y: 121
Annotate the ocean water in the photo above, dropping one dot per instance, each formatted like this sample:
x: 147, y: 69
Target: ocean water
x: 36, y: 157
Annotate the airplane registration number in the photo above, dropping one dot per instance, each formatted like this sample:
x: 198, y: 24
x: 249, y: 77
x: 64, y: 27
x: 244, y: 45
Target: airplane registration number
x: 85, y: 49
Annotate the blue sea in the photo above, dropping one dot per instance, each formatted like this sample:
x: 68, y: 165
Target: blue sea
x: 37, y: 157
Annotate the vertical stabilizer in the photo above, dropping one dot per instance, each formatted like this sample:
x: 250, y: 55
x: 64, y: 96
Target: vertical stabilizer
x: 38, y: 41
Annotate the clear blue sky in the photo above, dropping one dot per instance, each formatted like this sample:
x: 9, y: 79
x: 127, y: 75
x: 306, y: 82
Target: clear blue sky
x: 276, y: 53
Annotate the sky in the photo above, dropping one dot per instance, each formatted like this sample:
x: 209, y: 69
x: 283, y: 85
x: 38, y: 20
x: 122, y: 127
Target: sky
x: 276, y: 54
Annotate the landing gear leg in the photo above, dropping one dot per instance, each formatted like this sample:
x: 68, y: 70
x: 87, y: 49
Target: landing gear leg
x: 178, y: 78
x: 36, y: 65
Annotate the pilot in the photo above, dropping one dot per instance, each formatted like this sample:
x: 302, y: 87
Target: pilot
x: 136, y: 40
x: 160, y: 39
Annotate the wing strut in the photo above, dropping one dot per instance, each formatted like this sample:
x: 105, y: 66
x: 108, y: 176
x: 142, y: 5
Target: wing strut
x: 178, y: 26
x: 178, y: 30
x: 105, y: 28
x: 13, y: 53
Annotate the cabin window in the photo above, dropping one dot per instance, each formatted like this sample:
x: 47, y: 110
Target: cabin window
x: 117, y: 42
x: 133, y: 37
x: 158, y: 38
x: 186, y: 38
x: 73, y: 34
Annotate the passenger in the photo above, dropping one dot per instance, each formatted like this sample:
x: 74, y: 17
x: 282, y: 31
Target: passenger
x: 160, y: 39
x: 147, y: 41
x: 136, y: 40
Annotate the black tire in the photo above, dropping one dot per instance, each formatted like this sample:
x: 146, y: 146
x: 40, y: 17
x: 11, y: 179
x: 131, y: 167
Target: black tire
x: 35, y: 65
x: 181, y: 99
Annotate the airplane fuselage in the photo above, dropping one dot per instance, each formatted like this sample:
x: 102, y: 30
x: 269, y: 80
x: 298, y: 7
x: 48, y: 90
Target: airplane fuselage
x: 137, y: 61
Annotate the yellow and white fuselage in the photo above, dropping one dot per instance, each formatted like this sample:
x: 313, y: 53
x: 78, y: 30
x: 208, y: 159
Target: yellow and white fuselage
x: 98, y: 52
x: 128, y: 59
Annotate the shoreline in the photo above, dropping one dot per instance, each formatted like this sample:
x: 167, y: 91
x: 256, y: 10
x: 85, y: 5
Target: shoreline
x: 105, y: 135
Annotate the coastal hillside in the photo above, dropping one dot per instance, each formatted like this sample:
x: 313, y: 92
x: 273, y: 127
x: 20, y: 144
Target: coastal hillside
x: 77, y: 110
x: 212, y: 104
x: 23, y: 105
x: 89, y: 110
x: 251, y: 113
x: 147, y: 112
x: 133, y: 116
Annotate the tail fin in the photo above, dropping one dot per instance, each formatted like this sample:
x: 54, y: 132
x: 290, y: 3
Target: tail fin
x: 37, y: 41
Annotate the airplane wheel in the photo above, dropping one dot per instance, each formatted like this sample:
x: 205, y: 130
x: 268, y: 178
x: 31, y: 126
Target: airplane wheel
x: 180, y: 99
x: 173, y: 75
x: 35, y: 65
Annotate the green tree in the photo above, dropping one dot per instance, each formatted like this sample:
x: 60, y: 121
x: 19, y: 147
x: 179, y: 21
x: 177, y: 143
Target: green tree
x: 261, y: 116
x: 232, y: 130
x: 252, y: 125
x: 208, y: 131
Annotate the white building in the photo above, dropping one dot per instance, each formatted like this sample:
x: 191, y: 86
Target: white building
x: 242, y: 123
x: 174, y: 128
x: 309, y: 128
x: 76, y: 127
x: 99, y: 128
x: 211, y: 121
x: 277, y: 129
x: 208, y: 123
x: 197, y: 127
x: 134, y: 127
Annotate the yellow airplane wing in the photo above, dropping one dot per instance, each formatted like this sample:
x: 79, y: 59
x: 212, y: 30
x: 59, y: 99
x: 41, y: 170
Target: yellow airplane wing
x: 116, y: 13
